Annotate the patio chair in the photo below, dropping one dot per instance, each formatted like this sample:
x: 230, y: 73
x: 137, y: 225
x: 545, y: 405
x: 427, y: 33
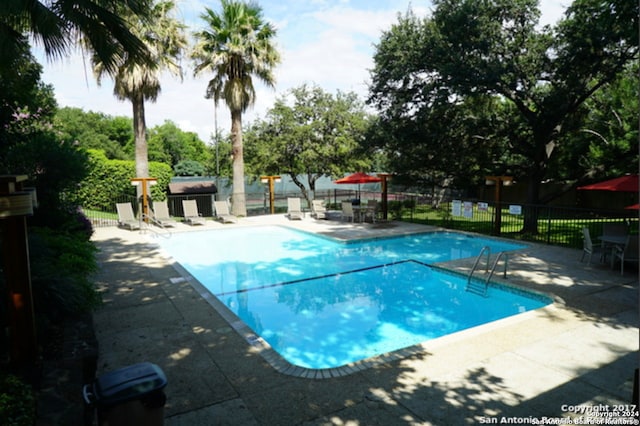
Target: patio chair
x: 126, y: 218
x: 191, y: 214
x: 612, y: 231
x: 588, y: 247
x: 628, y: 253
x: 222, y: 212
x: 347, y: 211
x: 161, y: 215
x: 318, y: 210
x: 294, y: 211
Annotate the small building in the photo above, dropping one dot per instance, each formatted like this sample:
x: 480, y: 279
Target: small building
x: 200, y: 189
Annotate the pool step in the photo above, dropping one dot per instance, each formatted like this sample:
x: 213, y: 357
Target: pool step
x: 477, y: 287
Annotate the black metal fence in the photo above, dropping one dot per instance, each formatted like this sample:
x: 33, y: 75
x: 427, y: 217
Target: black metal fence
x: 554, y: 225
x: 546, y: 224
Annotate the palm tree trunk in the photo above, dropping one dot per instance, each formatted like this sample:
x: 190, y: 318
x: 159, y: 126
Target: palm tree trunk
x: 238, y: 201
x: 140, y: 132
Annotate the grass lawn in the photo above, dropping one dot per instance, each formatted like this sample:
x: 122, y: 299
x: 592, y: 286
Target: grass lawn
x: 562, y: 231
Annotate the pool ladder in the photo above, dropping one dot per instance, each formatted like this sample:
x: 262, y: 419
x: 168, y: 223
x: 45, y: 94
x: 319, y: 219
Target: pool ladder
x: 479, y: 287
x: 144, y: 226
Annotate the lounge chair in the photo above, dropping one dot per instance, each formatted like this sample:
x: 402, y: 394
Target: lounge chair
x: 222, y: 212
x: 318, y: 210
x: 191, y: 214
x: 161, y: 215
x: 588, y: 247
x: 126, y: 218
x: 628, y: 253
x: 347, y: 211
x: 294, y: 211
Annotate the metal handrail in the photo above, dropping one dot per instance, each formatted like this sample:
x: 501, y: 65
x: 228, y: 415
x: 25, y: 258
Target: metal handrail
x: 484, y: 289
x: 495, y: 265
x: 488, y: 250
x: 156, y: 222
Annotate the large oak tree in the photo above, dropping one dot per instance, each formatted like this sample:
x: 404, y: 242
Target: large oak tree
x: 310, y: 133
x: 495, y: 48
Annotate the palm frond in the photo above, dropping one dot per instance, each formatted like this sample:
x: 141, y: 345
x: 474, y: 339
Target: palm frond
x: 235, y: 46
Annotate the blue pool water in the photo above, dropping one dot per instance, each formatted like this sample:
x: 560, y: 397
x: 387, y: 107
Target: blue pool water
x: 321, y: 303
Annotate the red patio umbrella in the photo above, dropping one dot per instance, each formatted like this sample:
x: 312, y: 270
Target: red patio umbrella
x: 628, y: 183
x: 358, y: 178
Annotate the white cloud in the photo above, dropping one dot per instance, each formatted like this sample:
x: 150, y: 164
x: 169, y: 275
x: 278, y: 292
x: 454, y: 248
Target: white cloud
x: 552, y: 11
x: 323, y: 42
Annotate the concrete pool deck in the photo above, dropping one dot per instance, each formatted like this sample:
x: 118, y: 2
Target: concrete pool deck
x: 582, y: 350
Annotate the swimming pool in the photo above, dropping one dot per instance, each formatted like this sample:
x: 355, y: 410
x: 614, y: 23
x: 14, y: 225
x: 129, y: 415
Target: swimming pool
x: 321, y: 303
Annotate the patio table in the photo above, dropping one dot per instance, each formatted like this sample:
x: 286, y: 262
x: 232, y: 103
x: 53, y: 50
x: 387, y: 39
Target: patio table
x: 611, y: 242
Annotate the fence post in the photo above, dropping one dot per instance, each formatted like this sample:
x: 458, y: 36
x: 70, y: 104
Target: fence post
x: 548, y: 225
x: 413, y: 205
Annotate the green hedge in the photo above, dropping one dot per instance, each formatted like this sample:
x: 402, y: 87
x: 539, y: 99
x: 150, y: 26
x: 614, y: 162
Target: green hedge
x: 17, y: 403
x: 112, y: 178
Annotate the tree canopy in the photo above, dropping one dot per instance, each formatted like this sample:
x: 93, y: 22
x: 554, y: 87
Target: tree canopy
x: 309, y: 132
x: 137, y: 79
x: 525, y: 83
x: 114, y: 136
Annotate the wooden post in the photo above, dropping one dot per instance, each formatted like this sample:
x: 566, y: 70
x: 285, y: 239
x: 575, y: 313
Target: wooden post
x: 498, y: 181
x: 15, y: 205
x: 384, y: 201
x: 145, y: 192
x: 272, y: 192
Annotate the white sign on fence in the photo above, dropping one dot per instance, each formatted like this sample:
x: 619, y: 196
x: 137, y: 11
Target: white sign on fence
x: 468, y: 209
x: 456, y: 208
x: 515, y: 209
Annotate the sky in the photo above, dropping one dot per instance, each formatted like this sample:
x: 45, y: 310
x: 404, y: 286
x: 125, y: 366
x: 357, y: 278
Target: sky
x: 328, y: 43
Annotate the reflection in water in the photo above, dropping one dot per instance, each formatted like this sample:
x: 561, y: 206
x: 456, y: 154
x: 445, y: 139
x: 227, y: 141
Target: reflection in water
x: 322, y: 303
x: 332, y: 321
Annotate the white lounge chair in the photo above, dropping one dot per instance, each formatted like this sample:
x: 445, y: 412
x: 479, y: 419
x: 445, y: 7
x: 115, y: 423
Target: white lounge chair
x: 222, y: 212
x: 161, y: 215
x: 347, y: 211
x: 294, y: 211
x: 318, y: 210
x: 126, y: 218
x: 191, y: 214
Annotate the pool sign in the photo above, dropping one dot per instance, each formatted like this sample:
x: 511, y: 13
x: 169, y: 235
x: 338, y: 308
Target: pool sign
x: 515, y: 209
x: 468, y: 209
x: 456, y: 208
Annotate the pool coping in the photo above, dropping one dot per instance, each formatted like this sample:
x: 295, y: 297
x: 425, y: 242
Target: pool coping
x: 281, y: 365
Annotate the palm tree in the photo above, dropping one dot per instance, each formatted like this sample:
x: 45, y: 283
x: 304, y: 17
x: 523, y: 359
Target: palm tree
x: 136, y: 80
x: 236, y: 46
x: 58, y: 24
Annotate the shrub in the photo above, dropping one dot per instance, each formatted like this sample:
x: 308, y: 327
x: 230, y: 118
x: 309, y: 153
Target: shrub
x: 17, y: 403
x: 109, y: 178
x: 409, y: 204
x: 61, y: 266
x: 395, y: 208
x: 189, y: 168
